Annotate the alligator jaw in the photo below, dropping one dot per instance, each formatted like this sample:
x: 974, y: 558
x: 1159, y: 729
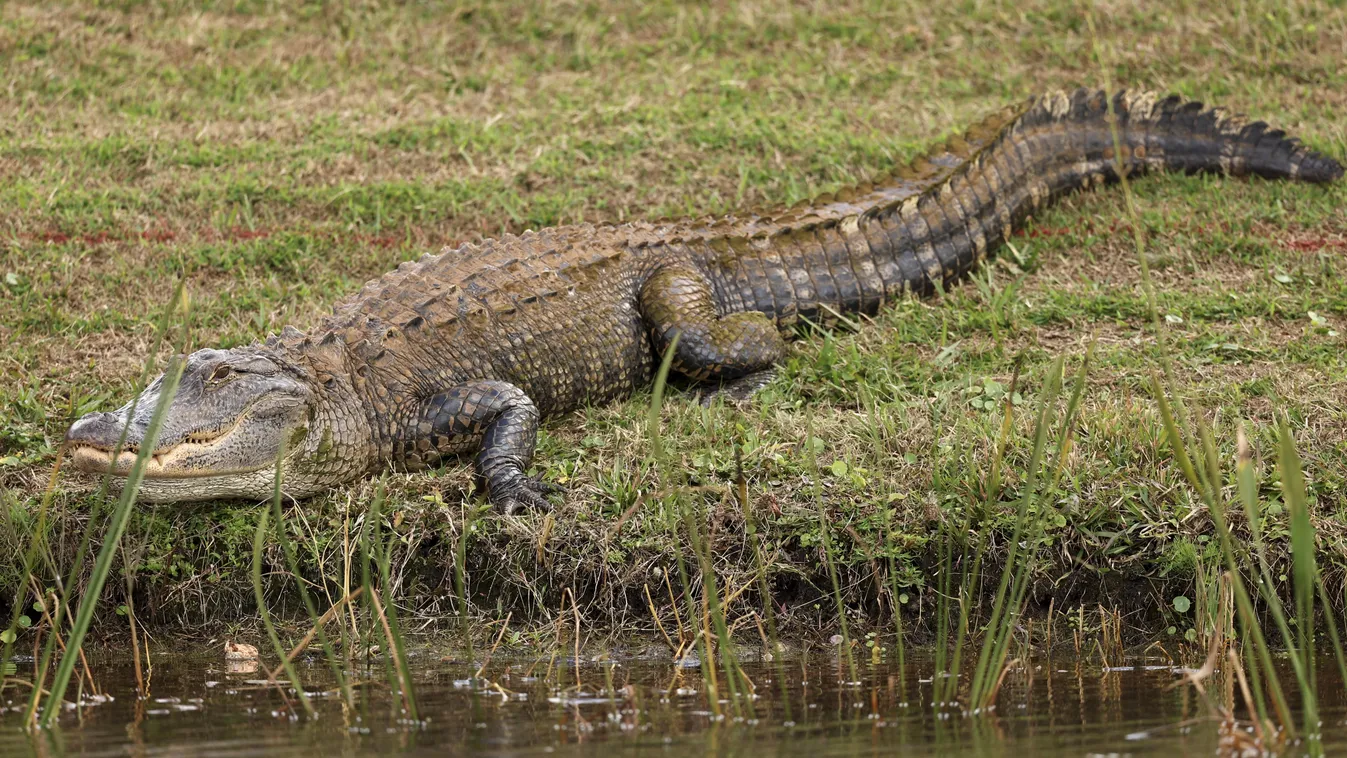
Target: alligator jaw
x: 161, y: 484
x: 95, y: 460
x: 90, y: 451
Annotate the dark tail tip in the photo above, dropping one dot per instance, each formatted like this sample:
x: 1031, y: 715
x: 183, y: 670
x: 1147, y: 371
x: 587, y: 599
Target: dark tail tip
x: 1270, y: 153
x: 1320, y: 168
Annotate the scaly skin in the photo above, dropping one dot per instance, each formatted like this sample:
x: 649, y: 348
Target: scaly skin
x: 464, y: 352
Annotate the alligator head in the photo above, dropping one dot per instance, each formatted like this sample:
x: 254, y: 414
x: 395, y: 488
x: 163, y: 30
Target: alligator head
x: 233, y: 415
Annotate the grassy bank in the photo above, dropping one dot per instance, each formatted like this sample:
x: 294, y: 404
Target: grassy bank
x: 275, y: 160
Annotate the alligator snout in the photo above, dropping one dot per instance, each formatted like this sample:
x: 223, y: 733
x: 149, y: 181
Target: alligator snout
x: 100, y: 431
x: 92, y: 439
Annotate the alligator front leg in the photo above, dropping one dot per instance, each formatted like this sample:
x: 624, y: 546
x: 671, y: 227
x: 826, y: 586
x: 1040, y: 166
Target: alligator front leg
x: 678, y: 300
x: 499, y: 421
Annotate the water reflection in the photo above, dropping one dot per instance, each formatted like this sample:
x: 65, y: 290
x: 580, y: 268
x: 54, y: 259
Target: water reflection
x: 802, y: 707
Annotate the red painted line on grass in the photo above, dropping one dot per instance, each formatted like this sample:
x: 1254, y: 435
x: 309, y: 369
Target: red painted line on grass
x: 1313, y: 244
x: 233, y: 234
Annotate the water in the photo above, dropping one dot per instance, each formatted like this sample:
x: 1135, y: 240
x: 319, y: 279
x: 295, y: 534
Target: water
x: 639, y: 706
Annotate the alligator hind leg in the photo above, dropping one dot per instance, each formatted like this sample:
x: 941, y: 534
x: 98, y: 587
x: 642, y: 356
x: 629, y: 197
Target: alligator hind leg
x: 499, y: 421
x: 678, y: 300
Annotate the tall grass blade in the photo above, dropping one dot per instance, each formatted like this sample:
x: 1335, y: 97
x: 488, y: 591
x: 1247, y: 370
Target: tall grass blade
x: 658, y: 456
x: 396, y: 641
x: 373, y: 606
x: 395, y: 659
x: 461, y: 580
x: 657, y: 401
x: 1304, y: 570
x: 334, y: 662
x: 714, y: 612
x: 995, y: 642
x: 259, y: 541
x: 877, y: 450
x: 1258, y: 653
x: 751, y: 533
x: 825, y: 539
x: 39, y: 533
x: 970, y: 564
x: 111, y: 541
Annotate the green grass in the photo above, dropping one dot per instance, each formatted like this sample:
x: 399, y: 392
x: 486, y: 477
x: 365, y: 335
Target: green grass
x: 274, y: 160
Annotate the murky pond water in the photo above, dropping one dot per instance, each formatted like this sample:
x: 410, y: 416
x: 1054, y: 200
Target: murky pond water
x: 1054, y: 706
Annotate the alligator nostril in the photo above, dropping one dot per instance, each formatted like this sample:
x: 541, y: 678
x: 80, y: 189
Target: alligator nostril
x: 95, y: 429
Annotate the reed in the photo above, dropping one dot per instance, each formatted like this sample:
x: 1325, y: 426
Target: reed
x: 959, y: 547
x: 259, y: 542
x: 334, y: 661
x: 381, y: 617
x: 671, y: 501
x: 879, y: 457
x: 461, y: 580
x: 714, y: 625
x: 1030, y: 521
x: 770, y: 635
x: 37, y: 541
x: 713, y: 616
x: 111, y: 544
x: 374, y: 549
x: 72, y: 648
x: 825, y: 541
x: 1195, y: 453
x: 1269, y: 704
x: 675, y: 497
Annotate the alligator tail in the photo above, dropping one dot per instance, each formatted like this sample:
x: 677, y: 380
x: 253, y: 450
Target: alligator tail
x: 1061, y: 143
x: 1190, y: 137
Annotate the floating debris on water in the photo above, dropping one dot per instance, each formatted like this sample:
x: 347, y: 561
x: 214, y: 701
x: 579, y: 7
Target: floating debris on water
x: 580, y: 699
x: 239, y: 651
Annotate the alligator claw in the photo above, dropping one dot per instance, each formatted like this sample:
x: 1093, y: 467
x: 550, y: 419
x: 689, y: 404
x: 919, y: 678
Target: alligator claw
x: 542, y: 486
x: 524, y: 494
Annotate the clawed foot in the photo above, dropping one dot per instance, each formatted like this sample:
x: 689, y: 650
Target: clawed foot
x: 738, y: 391
x: 523, y: 494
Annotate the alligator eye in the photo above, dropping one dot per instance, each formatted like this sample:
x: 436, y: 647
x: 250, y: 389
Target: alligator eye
x: 220, y: 373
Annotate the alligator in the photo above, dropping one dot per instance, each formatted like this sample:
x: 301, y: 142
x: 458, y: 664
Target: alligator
x: 465, y: 351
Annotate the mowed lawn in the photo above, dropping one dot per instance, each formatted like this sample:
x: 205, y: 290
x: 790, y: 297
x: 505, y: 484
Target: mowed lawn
x: 275, y: 159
